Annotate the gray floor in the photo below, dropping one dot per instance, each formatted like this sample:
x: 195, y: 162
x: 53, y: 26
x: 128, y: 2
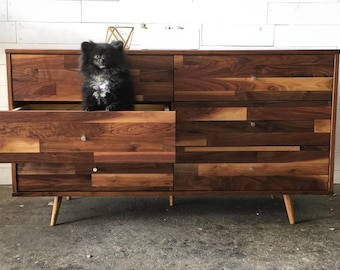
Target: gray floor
x: 145, y: 233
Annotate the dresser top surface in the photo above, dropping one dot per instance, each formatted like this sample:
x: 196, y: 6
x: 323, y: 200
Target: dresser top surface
x: 174, y: 52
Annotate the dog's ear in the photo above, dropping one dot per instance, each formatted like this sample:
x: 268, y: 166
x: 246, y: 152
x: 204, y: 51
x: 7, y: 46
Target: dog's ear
x: 119, y: 45
x: 87, y: 46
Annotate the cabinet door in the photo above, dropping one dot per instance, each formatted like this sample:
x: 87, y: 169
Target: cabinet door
x: 254, y: 123
x: 89, y: 151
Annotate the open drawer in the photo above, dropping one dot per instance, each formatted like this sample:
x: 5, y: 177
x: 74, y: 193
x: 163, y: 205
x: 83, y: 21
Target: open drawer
x: 77, y: 152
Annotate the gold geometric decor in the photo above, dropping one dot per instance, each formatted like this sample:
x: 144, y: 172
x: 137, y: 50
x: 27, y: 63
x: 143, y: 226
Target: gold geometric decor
x: 123, y: 33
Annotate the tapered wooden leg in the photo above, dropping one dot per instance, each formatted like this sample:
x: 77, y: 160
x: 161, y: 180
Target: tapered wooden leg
x: 55, y: 210
x: 289, y: 208
x: 171, y: 200
x: 68, y: 198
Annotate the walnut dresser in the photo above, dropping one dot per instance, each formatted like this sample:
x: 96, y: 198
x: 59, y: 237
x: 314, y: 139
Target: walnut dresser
x: 206, y: 123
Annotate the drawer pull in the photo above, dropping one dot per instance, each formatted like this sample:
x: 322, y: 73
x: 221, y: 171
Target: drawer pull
x: 252, y: 124
x: 95, y: 169
x: 83, y: 138
x: 254, y: 78
x: 252, y: 169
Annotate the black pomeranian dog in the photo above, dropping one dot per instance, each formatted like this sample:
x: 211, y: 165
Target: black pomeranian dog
x: 107, y: 83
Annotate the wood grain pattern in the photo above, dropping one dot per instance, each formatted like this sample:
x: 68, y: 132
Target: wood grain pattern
x: 246, y: 122
x: 322, y: 126
x: 46, y: 168
x: 249, y: 77
x: 137, y: 181
x: 283, y: 140
x: 67, y: 132
x: 211, y: 114
x: 19, y: 145
x: 247, y: 65
x: 108, y: 176
x: 241, y: 148
x: 263, y: 169
x: 56, y: 77
x: 254, y: 185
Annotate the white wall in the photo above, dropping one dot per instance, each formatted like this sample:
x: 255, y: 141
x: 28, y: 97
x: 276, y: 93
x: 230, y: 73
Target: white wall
x: 208, y: 24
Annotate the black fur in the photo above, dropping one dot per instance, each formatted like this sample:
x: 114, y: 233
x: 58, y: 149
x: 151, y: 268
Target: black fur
x: 107, y: 83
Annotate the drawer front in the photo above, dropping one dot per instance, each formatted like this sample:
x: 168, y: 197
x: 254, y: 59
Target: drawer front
x: 56, y: 151
x: 253, y: 77
x: 133, y: 135
x: 42, y: 77
x: 94, y: 177
x: 271, y: 178
x: 56, y: 77
x: 272, y: 146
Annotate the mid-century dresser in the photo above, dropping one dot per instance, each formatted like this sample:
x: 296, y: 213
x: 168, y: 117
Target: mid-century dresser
x: 206, y: 123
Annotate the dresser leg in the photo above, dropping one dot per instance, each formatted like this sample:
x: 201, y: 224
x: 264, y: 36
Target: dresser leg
x: 289, y: 208
x: 171, y: 200
x: 55, y: 210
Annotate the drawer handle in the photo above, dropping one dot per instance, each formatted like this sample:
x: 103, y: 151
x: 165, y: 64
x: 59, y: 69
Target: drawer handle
x: 254, y: 78
x: 83, y: 138
x: 251, y: 169
x: 95, y: 169
x: 252, y: 124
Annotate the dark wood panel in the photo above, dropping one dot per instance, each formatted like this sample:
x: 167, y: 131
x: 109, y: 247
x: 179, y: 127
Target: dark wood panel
x: 160, y: 168
x: 197, y: 127
x: 202, y: 95
x: 273, y: 138
x: 52, y: 157
x: 222, y: 156
x: 131, y: 181
x: 254, y: 65
x: 319, y: 167
x: 46, y: 169
x: 289, y: 113
x: 274, y: 184
x: 53, y: 183
x: 183, y: 156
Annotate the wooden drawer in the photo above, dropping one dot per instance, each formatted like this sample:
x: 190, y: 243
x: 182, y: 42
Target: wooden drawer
x: 288, y: 177
x: 54, y: 77
x: 94, y: 177
x: 89, y: 151
x: 218, y: 124
x: 242, y: 77
x: 272, y: 146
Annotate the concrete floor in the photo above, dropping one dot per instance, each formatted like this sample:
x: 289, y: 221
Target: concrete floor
x: 145, y: 233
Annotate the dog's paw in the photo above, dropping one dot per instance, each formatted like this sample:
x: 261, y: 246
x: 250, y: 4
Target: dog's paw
x: 111, y: 107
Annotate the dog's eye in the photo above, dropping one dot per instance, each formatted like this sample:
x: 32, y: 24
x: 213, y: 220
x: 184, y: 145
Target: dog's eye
x: 96, y: 56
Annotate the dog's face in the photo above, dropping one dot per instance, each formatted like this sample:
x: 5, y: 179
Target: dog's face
x: 102, y: 55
